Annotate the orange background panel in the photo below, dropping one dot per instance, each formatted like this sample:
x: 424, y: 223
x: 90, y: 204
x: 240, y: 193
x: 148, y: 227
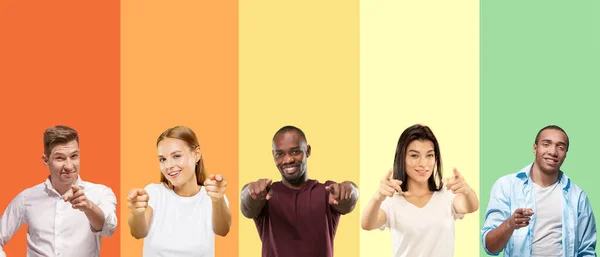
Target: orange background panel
x: 179, y: 67
x: 59, y: 64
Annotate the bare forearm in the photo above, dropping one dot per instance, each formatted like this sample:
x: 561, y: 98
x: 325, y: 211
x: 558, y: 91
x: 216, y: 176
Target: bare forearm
x: 95, y: 216
x: 371, y: 214
x: 496, y: 239
x: 251, y: 208
x: 468, y: 203
x: 138, y: 226
x: 221, y: 218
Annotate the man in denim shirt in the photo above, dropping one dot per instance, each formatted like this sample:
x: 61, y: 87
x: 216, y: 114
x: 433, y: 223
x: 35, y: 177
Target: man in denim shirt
x: 539, y: 211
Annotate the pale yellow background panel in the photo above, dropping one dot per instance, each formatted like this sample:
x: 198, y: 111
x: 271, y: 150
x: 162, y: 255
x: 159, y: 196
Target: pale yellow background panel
x: 419, y: 64
x: 298, y: 65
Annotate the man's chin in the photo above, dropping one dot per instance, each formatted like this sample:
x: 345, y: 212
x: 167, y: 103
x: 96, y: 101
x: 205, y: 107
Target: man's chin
x: 63, y: 179
x: 293, y: 179
x: 551, y: 170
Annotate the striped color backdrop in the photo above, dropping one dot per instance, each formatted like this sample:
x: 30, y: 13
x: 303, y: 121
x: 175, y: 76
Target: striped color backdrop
x: 419, y: 65
x: 59, y: 64
x: 539, y: 67
x: 484, y: 75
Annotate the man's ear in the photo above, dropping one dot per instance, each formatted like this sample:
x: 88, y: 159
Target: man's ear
x: 45, y: 160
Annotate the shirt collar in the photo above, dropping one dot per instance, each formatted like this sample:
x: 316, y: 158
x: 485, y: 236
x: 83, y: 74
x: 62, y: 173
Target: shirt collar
x: 79, y: 183
x: 524, y: 175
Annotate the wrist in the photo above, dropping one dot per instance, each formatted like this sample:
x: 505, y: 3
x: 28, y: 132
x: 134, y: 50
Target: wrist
x: 510, y: 224
x: 216, y: 200
x: 378, y: 198
x: 89, y: 209
x: 138, y: 214
x: 468, y: 191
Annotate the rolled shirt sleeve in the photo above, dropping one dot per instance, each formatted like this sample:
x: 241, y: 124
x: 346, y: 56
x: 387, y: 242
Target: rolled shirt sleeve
x: 12, y: 219
x: 586, y: 228
x: 108, y: 204
x: 498, y: 210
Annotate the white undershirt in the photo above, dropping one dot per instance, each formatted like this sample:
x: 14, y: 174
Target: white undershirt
x: 180, y: 226
x: 422, y: 232
x: 547, y: 230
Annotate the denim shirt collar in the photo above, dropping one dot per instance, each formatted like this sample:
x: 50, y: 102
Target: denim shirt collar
x: 524, y: 175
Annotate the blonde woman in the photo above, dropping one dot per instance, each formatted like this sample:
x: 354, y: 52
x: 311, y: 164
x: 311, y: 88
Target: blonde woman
x: 181, y: 215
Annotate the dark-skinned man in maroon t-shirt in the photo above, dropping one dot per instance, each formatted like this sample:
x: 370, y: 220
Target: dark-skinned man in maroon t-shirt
x: 296, y: 217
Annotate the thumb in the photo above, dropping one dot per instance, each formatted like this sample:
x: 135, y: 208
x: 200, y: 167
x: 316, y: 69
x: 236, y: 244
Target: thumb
x: 397, y: 182
x: 218, y: 178
x: 397, y: 185
x: 74, y: 188
x: 141, y: 192
x: 331, y: 188
x: 269, y: 195
x: 68, y: 195
x: 132, y: 194
x: 528, y: 212
x: 269, y: 181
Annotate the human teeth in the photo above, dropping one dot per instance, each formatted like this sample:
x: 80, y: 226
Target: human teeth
x: 173, y: 173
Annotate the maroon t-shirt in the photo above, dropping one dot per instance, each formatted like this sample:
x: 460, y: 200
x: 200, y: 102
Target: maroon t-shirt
x: 298, y: 222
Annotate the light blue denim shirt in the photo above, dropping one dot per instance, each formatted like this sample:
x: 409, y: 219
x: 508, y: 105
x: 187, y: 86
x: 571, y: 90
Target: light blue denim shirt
x: 516, y: 191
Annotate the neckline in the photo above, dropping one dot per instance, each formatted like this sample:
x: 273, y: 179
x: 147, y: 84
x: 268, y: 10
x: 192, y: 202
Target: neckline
x: 306, y: 186
x: 186, y: 198
x: 424, y: 206
x: 548, y: 188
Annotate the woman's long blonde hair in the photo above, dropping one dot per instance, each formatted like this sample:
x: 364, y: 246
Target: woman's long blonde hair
x: 189, y: 137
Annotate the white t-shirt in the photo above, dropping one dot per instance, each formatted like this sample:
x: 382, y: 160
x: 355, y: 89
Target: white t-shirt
x: 421, y: 232
x: 547, y: 230
x: 180, y: 226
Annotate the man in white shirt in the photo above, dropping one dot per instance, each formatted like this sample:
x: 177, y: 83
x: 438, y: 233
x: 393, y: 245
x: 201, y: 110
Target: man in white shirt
x: 66, y: 216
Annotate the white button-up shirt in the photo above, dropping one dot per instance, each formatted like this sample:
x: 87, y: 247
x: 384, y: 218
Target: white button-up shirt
x: 54, y: 227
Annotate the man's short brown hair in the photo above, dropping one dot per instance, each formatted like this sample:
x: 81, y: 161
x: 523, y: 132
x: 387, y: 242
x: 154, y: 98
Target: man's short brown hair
x: 58, y: 135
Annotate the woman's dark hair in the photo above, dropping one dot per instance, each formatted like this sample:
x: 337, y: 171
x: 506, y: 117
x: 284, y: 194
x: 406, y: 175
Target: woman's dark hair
x: 421, y: 133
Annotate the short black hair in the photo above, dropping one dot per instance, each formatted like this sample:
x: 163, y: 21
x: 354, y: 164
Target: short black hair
x: 555, y: 127
x: 289, y: 128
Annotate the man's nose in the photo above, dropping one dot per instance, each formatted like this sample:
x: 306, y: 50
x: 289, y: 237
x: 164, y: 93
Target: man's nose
x: 553, y: 151
x: 69, y: 164
x: 288, y: 159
